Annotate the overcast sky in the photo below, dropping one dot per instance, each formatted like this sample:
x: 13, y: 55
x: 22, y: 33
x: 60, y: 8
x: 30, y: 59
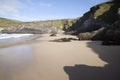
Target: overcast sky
x: 29, y: 10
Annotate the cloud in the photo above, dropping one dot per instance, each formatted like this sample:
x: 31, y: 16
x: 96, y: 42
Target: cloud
x: 9, y: 6
x: 43, y: 4
x: 21, y: 9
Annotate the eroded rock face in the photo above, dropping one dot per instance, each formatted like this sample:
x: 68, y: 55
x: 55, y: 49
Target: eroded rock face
x: 41, y: 26
x: 94, y: 35
x: 30, y: 29
x: 63, y: 40
x: 112, y: 33
x: 102, y: 15
x: 102, y: 22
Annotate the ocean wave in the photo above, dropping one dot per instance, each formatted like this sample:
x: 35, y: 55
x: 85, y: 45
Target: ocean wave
x: 6, y: 36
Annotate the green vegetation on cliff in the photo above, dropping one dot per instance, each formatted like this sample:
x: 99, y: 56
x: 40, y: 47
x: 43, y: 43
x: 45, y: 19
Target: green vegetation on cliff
x: 108, y: 12
x: 101, y: 22
x: 101, y: 15
x: 59, y: 24
x: 8, y: 22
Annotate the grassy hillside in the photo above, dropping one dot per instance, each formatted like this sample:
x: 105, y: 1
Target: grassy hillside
x: 8, y: 22
x: 60, y: 24
x: 101, y: 22
x: 108, y: 12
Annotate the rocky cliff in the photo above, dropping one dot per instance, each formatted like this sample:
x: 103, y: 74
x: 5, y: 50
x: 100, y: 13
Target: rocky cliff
x: 36, y: 27
x: 101, y: 22
x: 102, y: 15
x: 112, y: 34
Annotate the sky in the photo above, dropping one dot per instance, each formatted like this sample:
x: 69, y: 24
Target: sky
x: 30, y: 10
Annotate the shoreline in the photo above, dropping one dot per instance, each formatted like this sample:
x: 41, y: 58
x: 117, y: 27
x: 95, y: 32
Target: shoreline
x: 41, y: 59
x: 18, y: 40
x: 30, y: 39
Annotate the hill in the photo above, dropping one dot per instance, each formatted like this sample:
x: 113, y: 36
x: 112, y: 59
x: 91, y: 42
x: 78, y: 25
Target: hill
x: 102, y: 15
x: 8, y: 22
x: 13, y: 26
x: 101, y: 22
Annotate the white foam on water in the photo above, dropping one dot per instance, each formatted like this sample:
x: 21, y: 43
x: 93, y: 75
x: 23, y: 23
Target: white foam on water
x: 6, y: 36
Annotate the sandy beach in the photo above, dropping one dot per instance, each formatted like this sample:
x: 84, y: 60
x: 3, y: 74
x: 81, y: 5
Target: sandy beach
x: 41, y: 59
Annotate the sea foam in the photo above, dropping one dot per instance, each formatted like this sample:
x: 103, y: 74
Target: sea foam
x: 6, y: 36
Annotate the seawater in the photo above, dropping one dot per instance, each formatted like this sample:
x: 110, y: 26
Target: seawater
x: 6, y: 39
x: 6, y: 36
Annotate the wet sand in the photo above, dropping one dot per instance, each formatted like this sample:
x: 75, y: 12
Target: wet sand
x: 44, y: 60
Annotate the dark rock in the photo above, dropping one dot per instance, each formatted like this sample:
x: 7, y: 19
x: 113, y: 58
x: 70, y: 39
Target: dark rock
x: 102, y: 15
x: 94, y: 35
x: 53, y: 34
x: 63, y: 40
x: 112, y: 34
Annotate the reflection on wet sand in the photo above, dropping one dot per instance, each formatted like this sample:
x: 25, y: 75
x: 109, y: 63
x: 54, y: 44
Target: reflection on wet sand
x: 8, y: 42
x: 44, y: 60
x: 13, y: 59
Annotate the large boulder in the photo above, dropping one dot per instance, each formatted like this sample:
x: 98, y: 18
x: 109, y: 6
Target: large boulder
x: 94, y: 35
x: 112, y: 33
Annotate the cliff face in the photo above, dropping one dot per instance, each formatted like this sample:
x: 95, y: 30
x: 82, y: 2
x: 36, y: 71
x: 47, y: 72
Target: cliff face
x: 11, y: 26
x: 102, y: 15
x: 112, y: 33
x: 102, y: 22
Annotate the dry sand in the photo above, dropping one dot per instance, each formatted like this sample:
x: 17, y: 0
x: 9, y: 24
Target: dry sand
x: 44, y: 60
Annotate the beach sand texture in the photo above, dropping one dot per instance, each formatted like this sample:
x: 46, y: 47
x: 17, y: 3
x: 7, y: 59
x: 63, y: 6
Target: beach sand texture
x: 44, y: 60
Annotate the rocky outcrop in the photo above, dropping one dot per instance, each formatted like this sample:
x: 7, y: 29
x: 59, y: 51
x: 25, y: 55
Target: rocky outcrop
x: 112, y: 34
x: 102, y: 15
x: 64, y: 40
x: 94, y: 35
x: 50, y: 26
x: 100, y: 23
x: 30, y: 29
